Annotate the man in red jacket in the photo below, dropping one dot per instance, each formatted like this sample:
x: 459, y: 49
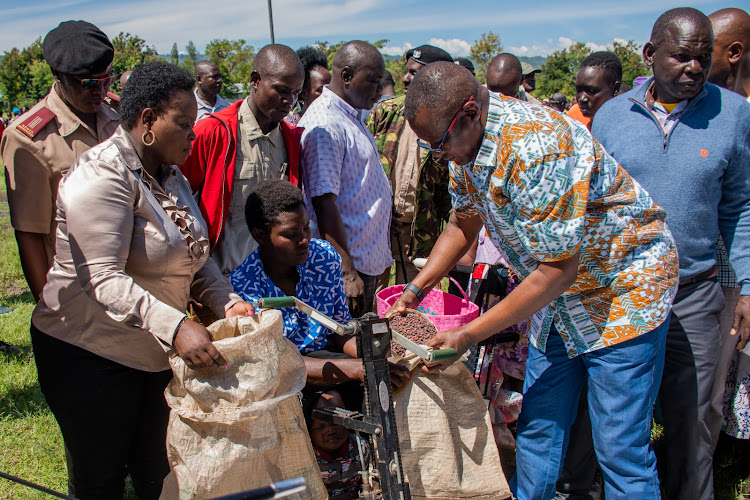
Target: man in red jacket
x: 242, y: 145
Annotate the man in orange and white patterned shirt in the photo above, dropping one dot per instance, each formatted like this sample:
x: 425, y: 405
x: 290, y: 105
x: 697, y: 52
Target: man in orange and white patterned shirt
x: 598, y: 263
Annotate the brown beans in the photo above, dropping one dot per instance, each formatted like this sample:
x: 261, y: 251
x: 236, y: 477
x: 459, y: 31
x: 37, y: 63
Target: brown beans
x: 413, y: 326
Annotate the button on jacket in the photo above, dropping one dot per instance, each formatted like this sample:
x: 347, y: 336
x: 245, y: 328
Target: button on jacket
x: 129, y: 255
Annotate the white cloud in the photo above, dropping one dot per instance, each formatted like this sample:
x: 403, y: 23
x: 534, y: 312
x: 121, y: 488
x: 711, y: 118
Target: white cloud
x: 545, y: 49
x: 595, y: 47
x: 454, y: 46
x: 396, y: 51
x: 564, y: 42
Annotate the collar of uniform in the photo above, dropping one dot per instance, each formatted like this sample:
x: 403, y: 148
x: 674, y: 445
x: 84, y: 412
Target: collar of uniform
x: 121, y: 139
x: 248, y: 121
x: 340, y: 103
x: 69, y: 121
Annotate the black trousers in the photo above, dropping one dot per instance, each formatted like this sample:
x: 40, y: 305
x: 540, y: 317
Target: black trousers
x: 113, y: 418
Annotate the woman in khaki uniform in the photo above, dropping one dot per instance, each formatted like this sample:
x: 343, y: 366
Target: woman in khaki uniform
x: 40, y: 146
x: 131, y: 249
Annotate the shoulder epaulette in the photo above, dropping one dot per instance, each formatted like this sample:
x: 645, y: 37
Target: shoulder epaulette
x: 36, y: 122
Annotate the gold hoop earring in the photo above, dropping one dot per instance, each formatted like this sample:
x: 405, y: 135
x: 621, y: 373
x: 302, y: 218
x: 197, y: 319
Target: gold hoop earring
x: 153, y: 138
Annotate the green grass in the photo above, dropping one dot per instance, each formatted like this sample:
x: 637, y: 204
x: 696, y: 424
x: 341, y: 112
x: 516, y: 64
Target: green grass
x: 31, y: 446
x: 30, y: 439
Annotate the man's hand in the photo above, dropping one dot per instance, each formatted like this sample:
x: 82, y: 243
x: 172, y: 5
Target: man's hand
x: 741, y: 323
x: 241, y: 308
x: 456, y: 338
x: 399, y: 375
x: 354, y: 288
x: 407, y: 300
x: 397, y: 229
x: 193, y: 343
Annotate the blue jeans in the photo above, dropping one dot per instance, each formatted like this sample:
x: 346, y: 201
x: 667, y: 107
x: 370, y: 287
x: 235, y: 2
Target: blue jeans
x: 623, y: 381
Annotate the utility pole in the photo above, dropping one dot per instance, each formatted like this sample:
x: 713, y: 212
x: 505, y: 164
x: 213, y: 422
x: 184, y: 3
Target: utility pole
x: 270, y: 20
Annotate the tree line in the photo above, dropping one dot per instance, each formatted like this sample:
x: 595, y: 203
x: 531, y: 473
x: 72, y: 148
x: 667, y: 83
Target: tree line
x: 25, y: 77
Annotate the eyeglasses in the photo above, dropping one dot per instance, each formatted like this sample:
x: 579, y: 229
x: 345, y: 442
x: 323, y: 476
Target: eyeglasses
x: 92, y: 83
x: 439, y: 149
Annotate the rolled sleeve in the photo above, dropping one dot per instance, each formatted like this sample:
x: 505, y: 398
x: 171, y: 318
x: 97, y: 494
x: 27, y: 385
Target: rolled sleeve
x: 323, y: 159
x: 100, y: 246
x: 550, y: 207
x: 28, y: 177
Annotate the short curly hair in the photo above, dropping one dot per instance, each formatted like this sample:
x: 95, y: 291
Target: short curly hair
x: 311, y: 58
x: 608, y: 61
x: 268, y: 200
x: 152, y: 85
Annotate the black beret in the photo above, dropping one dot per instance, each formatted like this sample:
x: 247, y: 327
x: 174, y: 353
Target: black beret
x: 462, y: 61
x: 78, y: 48
x: 426, y: 54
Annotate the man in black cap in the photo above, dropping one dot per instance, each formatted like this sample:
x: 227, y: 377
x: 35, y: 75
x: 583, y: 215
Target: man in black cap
x: 39, y: 146
x: 420, y: 189
x: 466, y: 63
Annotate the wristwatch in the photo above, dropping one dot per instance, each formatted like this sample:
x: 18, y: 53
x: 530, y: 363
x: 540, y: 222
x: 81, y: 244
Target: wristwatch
x: 414, y: 289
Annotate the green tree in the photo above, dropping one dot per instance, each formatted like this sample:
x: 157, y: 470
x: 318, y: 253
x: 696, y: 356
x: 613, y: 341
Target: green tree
x: 560, y: 70
x: 192, y: 57
x: 632, y: 61
x: 25, y: 77
x: 329, y: 50
x: 397, y: 67
x: 174, y: 56
x: 130, y: 51
x: 235, y: 60
x: 13, y: 72
x: 482, y: 52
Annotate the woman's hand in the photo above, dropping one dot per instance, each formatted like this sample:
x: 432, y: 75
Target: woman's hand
x: 241, y: 308
x: 456, y: 338
x: 194, y: 344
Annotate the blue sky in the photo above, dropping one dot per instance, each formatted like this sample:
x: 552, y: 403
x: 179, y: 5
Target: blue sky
x: 525, y: 27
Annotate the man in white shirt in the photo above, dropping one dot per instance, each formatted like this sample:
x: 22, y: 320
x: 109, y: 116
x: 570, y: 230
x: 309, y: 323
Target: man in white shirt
x: 347, y: 194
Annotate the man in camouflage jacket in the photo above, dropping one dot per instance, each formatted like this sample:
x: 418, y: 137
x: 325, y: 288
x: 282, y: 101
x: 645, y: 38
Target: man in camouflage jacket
x: 419, y: 182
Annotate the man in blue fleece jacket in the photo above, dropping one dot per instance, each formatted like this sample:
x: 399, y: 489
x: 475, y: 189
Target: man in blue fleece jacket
x: 686, y: 142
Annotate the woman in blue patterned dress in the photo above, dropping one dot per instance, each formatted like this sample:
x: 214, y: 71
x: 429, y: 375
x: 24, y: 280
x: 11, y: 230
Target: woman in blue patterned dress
x: 289, y: 262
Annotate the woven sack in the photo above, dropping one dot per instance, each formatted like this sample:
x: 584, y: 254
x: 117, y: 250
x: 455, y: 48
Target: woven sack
x: 240, y: 427
x: 447, y: 444
x: 444, y: 309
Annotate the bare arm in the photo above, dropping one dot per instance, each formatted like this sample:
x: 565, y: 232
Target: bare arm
x: 33, y: 260
x: 331, y: 228
x: 542, y: 286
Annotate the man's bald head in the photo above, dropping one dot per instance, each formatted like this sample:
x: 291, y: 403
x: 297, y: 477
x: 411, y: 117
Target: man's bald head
x: 277, y: 59
x: 674, y: 20
x: 679, y: 53
x: 357, y: 75
x: 447, y: 108
x: 205, y: 68
x: 731, y: 59
x: 357, y: 54
x: 504, y: 74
